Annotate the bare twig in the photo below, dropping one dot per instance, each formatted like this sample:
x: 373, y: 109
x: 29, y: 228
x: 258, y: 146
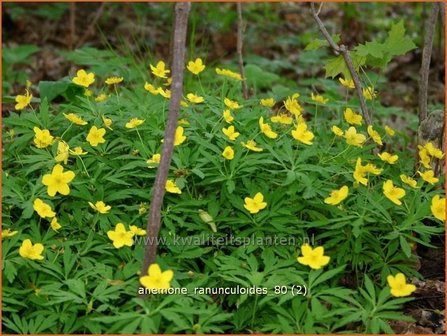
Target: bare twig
x: 240, y: 42
x: 71, y: 42
x: 89, y: 30
x: 323, y: 30
x: 426, y: 58
x: 342, y: 49
x: 178, y: 66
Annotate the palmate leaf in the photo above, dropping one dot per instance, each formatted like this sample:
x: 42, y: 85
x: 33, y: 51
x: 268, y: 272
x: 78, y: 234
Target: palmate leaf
x: 379, y: 54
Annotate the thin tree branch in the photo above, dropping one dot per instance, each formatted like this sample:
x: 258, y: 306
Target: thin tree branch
x: 92, y: 24
x: 323, y: 30
x: 358, y: 85
x: 426, y: 58
x: 341, y: 49
x: 240, y: 42
x: 178, y: 66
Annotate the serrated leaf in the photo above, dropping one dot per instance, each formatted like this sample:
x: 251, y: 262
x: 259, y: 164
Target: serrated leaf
x: 397, y: 43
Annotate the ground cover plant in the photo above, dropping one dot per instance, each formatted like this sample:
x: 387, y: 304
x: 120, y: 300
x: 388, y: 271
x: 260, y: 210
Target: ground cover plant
x: 285, y: 212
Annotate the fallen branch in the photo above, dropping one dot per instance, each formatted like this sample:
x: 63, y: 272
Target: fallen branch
x: 178, y: 65
x: 343, y: 50
x: 426, y: 58
x: 240, y: 41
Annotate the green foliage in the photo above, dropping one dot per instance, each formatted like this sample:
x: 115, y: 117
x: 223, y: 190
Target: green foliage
x: 370, y: 54
x: 208, y: 238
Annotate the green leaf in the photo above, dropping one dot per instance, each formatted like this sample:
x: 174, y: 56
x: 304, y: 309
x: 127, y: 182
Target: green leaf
x: 259, y: 77
x: 397, y: 43
x: 405, y: 246
x: 52, y: 89
x: 318, y: 43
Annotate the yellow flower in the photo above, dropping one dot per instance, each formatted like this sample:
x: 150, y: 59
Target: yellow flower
x: 429, y: 176
x: 154, y: 160
x: 137, y: 231
x: 179, y: 137
x: 318, y: 98
x: 165, y: 93
x: 227, y: 116
x: 282, y: 118
x: 389, y: 131
x: 375, y: 135
x: 55, y: 224
x: 389, y: 158
x: 77, y: 151
x: 408, y: 180
x: 353, y: 138
x: 43, y: 209
x: 184, y: 104
x: 337, y: 196
x: 83, y: 78
x: 23, y: 100
x: 172, y: 187
x: 255, y: 204
x: 29, y: 251
x: 231, y: 104
x: 42, y: 138
x: 313, y: 257
x: 144, y: 207
x: 75, y: 119
x: 394, y: 194
x: 8, y: 233
x: 151, y: 88
x: 156, y: 279
x: 96, y: 136
x: 228, y: 153
x: 251, y: 145
x: 194, y: 98
x: 399, y: 286
x: 88, y: 93
x: 370, y: 168
x: 100, y: 207
x: 292, y: 105
x: 352, y: 118
x: 301, y: 133
x: 134, y: 122
x: 159, y: 70
x: 361, y: 171
x: 438, y: 207
x: 114, y: 80
x: 120, y: 236
x: 168, y: 81
x: 267, y: 102
x: 266, y: 129
x: 107, y: 122
x: 229, y: 74
x: 337, y: 131
x: 62, y: 152
x: 196, y: 66
x: 369, y: 93
x: 230, y: 132
x: 424, y: 157
x: 183, y: 122
x: 57, y: 181
x: 433, y: 151
x: 348, y: 83
x: 101, y: 97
